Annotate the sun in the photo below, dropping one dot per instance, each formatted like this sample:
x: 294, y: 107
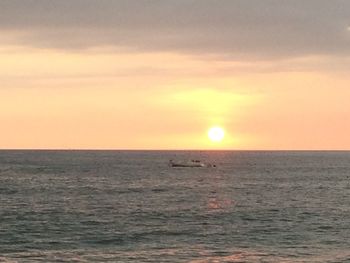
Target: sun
x: 216, y: 134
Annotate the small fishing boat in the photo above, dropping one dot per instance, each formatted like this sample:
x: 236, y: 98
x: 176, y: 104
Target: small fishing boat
x: 190, y: 164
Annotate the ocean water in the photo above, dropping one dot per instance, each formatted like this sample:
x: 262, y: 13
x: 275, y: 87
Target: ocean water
x: 130, y: 206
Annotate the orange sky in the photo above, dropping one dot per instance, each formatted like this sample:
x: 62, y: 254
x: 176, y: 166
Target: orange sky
x: 106, y: 96
x: 106, y: 100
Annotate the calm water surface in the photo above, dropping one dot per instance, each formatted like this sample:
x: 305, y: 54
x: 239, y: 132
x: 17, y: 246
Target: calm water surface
x: 120, y: 206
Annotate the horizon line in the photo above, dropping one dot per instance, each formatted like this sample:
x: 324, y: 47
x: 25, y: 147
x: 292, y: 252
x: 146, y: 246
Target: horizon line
x: 198, y: 150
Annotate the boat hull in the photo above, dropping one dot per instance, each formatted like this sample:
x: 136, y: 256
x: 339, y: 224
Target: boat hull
x: 186, y: 165
x: 191, y: 164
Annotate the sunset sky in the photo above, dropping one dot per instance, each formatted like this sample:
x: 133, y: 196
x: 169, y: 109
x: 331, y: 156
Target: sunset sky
x: 157, y: 74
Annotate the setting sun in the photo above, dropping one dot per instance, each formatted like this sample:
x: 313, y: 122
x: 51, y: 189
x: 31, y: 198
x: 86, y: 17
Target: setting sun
x: 216, y: 134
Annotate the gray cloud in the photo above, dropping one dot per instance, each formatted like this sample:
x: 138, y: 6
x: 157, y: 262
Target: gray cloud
x: 241, y: 28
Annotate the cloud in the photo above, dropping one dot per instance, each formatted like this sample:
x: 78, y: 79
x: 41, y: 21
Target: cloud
x: 235, y: 29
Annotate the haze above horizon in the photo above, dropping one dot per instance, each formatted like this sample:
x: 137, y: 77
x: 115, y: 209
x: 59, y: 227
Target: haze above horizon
x: 89, y: 74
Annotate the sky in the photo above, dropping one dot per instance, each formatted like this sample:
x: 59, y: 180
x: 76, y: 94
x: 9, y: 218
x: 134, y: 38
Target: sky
x: 157, y: 74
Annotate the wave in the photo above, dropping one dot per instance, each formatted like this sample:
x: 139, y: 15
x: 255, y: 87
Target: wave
x: 190, y: 255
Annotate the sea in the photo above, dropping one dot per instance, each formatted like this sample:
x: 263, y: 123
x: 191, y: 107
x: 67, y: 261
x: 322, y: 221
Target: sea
x: 130, y: 206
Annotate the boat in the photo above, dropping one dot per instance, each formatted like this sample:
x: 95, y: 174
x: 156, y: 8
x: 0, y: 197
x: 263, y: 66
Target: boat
x: 190, y: 164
